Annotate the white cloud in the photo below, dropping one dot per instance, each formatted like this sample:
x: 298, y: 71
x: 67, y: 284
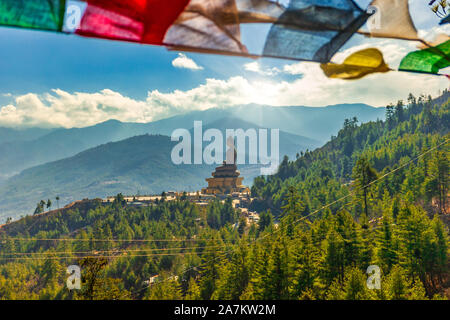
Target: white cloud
x: 294, y: 69
x: 435, y: 36
x: 256, y: 67
x: 183, y: 62
x: 78, y: 109
x: 61, y: 108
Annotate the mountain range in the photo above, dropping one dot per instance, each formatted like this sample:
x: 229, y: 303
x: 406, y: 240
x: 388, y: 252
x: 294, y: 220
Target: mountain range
x: 25, y: 134
x: 139, y: 164
x: 19, y: 150
x: 114, y: 156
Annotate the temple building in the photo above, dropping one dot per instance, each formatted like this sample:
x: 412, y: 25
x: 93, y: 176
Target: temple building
x: 225, y: 180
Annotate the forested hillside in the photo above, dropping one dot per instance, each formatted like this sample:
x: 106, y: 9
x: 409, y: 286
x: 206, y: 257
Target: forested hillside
x: 141, y: 164
x: 325, y: 174
x: 374, y: 195
x: 22, y: 149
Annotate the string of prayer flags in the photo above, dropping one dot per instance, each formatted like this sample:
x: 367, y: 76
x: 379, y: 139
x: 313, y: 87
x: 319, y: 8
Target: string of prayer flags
x: 312, y: 30
x: 305, y: 30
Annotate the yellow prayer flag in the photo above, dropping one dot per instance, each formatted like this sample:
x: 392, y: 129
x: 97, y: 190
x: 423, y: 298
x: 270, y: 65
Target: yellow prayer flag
x: 357, y: 65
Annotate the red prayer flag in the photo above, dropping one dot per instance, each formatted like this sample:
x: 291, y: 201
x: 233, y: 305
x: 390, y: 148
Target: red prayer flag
x: 145, y: 21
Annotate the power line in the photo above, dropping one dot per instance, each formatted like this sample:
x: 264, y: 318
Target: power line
x: 114, y: 240
x: 101, y: 257
x: 223, y: 254
x: 109, y: 251
x: 367, y: 185
x: 316, y: 211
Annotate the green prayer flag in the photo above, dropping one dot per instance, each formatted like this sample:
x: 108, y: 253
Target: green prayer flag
x: 36, y: 14
x: 429, y: 60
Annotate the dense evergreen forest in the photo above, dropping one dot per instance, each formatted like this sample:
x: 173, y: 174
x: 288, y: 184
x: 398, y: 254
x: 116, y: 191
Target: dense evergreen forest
x: 376, y: 194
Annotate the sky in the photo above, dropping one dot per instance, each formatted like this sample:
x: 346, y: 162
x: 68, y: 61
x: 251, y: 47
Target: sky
x: 56, y: 80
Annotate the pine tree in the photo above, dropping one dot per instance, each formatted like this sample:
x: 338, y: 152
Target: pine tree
x: 234, y: 276
x: 209, y: 274
x: 347, y: 228
x: 437, y: 183
x: 417, y: 292
x: 91, y: 274
x: 266, y: 219
x: 413, y: 226
x: 366, y: 241
x: 42, y: 204
x: 335, y: 291
x: 355, y: 285
x: 166, y: 289
x: 193, y: 292
x: 8, y: 247
x: 364, y: 174
x: 242, y: 225
x: 50, y: 270
x: 259, y: 280
x: 441, y: 247
x: 111, y: 289
x: 397, y: 286
x: 292, y: 210
x: 399, y: 112
x: 279, y: 271
x: 386, y: 249
x: 334, y: 258
x: 39, y: 209
x: 305, y: 268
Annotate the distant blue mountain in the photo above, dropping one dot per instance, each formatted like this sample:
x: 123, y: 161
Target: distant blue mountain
x: 139, y: 163
x: 318, y: 123
x: 312, y: 124
x: 12, y: 134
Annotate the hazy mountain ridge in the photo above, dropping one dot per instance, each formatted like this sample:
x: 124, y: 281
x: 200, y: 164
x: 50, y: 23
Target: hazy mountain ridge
x: 318, y: 123
x: 312, y: 123
x: 142, y: 163
x: 13, y: 134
